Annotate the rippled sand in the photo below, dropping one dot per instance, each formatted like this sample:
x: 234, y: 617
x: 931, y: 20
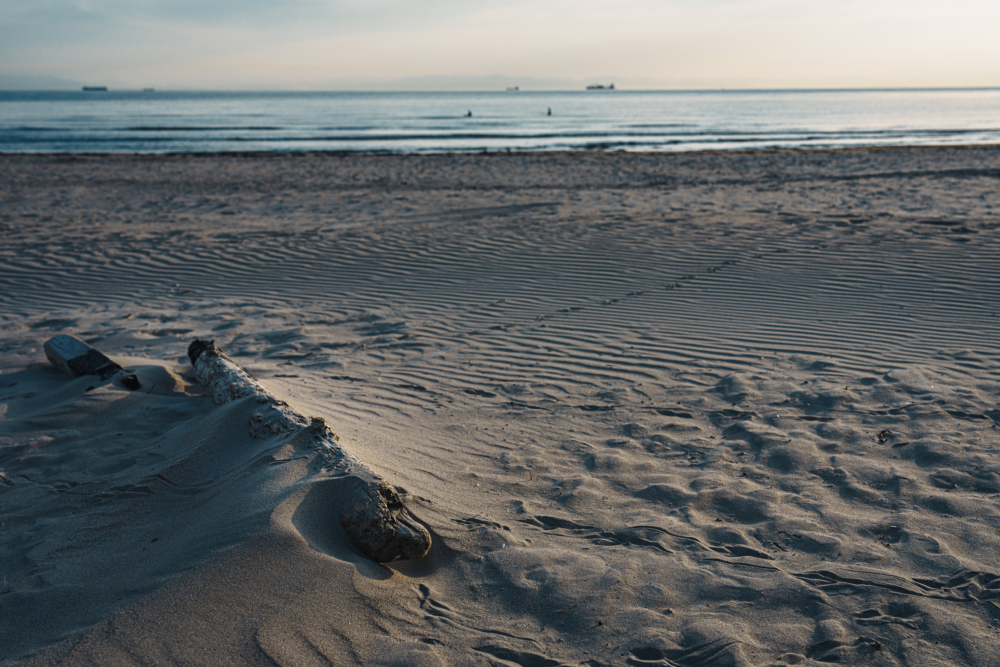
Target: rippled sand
x: 705, y: 409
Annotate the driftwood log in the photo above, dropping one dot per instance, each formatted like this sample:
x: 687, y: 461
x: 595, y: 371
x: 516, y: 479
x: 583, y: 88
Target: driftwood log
x: 373, y: 515
x: 71, y: 355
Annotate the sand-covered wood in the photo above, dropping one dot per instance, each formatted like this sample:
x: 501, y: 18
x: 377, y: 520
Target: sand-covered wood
x: 372, y: 513
x: 71, y: 355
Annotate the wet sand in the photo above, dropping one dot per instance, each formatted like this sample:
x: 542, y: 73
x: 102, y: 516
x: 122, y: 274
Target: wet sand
x: 703, y: 409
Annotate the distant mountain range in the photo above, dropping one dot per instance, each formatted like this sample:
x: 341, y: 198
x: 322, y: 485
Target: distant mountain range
x: 461, y: 83
x: 411, y: 83
x: 36, y: 82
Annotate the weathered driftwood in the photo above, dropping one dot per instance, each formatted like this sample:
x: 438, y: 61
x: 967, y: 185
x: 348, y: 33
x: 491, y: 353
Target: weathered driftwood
x: 373, y: 514
x: 71, y: 355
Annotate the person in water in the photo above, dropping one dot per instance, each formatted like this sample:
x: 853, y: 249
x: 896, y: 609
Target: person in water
x: 550, y: 111
x: 468, y: 115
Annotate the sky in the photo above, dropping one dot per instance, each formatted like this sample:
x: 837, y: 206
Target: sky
x: 484, y: 44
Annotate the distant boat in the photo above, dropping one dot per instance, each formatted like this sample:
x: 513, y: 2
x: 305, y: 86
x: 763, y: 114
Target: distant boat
x: 600, y: 86
x: 95, y: 89
x: 149, y: 90
x: 513, y: 88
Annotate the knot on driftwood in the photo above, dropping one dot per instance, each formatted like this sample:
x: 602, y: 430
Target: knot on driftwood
x: 198, y: 346
x: 380, y: 525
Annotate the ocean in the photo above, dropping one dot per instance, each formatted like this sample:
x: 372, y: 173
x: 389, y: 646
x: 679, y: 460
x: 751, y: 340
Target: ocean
x: 410, y: 122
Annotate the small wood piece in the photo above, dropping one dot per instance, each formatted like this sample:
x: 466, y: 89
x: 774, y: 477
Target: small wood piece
x: 373, y: 513
x: 71, y: 355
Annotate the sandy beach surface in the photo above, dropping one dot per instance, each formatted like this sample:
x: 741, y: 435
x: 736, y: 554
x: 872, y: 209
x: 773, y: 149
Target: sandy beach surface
x: 705, y: 409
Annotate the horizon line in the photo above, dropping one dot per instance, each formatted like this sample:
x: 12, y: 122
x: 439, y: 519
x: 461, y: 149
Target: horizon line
x: 617, y: 89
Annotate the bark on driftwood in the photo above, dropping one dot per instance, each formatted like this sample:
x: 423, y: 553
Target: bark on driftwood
x: 373, y: 515
x: 71, y: 355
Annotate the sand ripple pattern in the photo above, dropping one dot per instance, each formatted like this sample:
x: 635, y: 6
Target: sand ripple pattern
x: 662, y: 410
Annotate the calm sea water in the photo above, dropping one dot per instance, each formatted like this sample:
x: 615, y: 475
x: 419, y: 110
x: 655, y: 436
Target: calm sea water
x: 165, y: 122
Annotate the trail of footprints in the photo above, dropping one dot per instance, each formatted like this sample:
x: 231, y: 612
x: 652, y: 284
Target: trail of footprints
x: 759, y: 542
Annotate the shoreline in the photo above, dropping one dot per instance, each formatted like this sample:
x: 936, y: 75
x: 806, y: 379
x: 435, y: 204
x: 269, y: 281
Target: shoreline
x: 540, y: 153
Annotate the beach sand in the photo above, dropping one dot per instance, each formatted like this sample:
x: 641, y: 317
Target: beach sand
x: 701, y: 409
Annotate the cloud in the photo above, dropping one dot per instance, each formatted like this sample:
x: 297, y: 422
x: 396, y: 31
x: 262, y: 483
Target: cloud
x: 672, y: 43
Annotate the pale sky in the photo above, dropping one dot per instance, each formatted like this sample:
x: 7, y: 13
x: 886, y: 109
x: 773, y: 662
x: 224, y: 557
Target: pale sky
x: 345, y: 44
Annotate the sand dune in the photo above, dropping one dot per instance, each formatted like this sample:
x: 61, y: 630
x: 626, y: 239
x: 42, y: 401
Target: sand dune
x: 708, y: 409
